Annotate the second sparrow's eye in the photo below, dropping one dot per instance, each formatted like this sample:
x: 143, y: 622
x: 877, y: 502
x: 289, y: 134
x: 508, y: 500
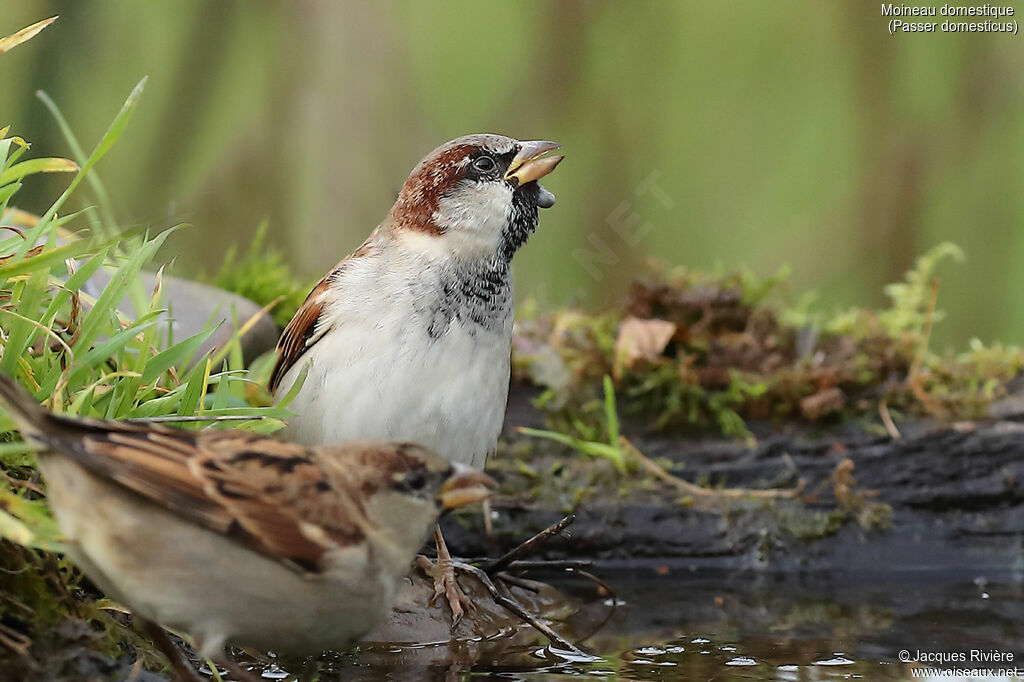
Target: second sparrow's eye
x: 485, y: 164
x: 416, y: 481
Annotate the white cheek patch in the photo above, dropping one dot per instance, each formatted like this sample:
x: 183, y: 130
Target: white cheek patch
x: 474, y: 217
x: 428, y: 244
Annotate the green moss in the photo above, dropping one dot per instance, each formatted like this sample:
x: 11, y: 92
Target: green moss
x: 263, y: 276
x: 738, y: 352
x: 809, y: 525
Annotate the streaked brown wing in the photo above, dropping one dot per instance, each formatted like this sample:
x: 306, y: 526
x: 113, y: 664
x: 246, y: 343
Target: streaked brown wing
x: 268, y: 494
x: 300, y: 334
x: 151, y: 460
x: 279, y: 495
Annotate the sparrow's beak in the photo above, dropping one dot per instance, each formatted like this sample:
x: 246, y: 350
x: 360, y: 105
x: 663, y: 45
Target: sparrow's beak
x: 530, y: 163
x: 465, y: 486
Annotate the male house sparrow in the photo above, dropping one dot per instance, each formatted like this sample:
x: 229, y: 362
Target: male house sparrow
x: 409, y: 337
x: 235, y: 537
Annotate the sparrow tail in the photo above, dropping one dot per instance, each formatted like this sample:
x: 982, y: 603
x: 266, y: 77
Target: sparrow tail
x: 31, y: 418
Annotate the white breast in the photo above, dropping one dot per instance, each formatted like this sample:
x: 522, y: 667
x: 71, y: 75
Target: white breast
x: 379, y: 373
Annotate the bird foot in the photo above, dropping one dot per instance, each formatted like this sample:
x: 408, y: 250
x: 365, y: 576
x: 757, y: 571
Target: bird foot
x: 446, y: 585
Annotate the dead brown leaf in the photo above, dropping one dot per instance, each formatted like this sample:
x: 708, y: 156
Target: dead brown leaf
x: 24, y: 34
x: 640, y: 339
x: 824, y: 402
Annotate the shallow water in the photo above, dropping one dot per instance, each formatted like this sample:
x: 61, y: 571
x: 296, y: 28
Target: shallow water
x: 670, y: 624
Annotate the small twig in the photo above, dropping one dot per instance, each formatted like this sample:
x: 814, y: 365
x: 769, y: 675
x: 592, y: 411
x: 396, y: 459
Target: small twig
x: 11, y: 599
x: 517, y: 609
x: 529, y: 546
x: 614, y: 605
x: 547, y: 564
x: 16, y: 642
x: 524, y: 583
x: 696, y: 490
x: 890, y: 425
x: 18, y: 483
x: 534, y: 564
x: 594, y: 579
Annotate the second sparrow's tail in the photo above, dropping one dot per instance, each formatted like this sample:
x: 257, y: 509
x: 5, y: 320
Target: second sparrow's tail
x: 29, y: 416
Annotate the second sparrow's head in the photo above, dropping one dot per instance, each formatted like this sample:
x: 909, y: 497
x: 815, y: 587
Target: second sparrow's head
x: 475, y: 197
x: 403, y: 487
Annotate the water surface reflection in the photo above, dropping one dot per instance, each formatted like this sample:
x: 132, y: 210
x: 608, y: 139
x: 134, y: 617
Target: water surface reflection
x: 671, y: 624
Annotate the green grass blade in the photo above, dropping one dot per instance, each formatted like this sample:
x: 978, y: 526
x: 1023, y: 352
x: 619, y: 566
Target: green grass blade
x: 41, y: 165
x: 74, y: 283
x: 28, y: 522
x: 76, y: 148
x: 296, y: 387
x: 52, y: 256
x: 586, y: 447
x: 28, y: 297
x: 175, y: 355
x: 222, y: 396
x: 115, y: 130
x: 93, y: 178
x: 14, y: 454
x: 611, y: 414
x: 85, y: 271
x: 105, y: 350
x: 195, y: 389
x: 112, y: 295
x: 6, y: 192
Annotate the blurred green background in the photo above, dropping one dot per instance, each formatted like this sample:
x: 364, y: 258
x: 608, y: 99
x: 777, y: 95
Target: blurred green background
x: 743, y: 133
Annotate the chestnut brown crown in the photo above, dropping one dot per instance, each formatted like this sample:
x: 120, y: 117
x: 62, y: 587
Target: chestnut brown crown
x: 483, y: 185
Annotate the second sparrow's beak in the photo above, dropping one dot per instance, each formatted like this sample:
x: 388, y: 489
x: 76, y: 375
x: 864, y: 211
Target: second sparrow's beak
x: 465, y: 486
x: 530, y: 163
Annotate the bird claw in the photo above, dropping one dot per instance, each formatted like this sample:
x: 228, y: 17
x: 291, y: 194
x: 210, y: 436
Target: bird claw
x: 446, y: 585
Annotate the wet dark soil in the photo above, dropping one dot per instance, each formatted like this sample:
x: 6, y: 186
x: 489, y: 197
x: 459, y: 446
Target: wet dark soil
x: 942, y: 496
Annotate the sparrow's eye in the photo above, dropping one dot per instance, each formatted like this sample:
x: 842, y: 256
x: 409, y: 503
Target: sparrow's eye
x: 485, y: 164
x: 416, y: 480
